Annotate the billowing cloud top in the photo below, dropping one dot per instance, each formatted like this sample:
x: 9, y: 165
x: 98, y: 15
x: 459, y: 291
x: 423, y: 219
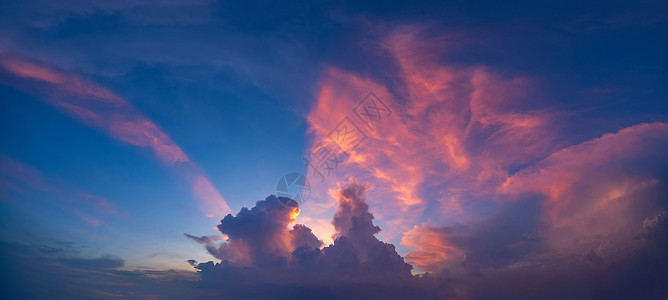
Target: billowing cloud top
x: 263, y: 258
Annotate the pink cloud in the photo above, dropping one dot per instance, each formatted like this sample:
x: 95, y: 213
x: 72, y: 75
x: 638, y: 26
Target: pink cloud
x: 429, y: 248
x: 455, y: 128
x: 593, y: 190
x: 91, y: 221
x: 15, y: 172
x: 212, y: 203
x: 102, y: 204
x: 139, y: 131
x: 98, y: 107
x: 454, y: 137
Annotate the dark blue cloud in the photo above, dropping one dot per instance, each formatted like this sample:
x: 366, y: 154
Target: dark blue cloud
x: 29, y: 272
x: 103, y: 262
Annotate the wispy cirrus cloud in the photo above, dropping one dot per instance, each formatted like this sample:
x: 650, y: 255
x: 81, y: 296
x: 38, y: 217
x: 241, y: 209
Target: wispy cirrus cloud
x: 455, y: 134
x: 98, y: 107
x: 17, y: 177
x: 44, y: 14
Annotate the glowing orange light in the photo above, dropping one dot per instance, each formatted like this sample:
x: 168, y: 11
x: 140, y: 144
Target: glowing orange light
x: 293, y: 215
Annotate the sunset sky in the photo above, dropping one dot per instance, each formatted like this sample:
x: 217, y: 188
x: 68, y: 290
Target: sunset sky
x: 507, y: 150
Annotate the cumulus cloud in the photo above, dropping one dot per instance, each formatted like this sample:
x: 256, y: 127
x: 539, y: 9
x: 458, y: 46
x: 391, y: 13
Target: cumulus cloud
x: 282, y: 263
x: 262, y: 257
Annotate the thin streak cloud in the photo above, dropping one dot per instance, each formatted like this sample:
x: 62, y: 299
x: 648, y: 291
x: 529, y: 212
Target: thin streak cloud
x: 98, y: 107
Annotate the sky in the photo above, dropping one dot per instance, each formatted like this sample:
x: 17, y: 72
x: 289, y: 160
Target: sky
x: 445, y: 149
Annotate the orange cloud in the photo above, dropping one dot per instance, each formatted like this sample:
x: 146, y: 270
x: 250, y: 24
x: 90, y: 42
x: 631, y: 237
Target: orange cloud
x: 429, y: 246
x: 98, y: 107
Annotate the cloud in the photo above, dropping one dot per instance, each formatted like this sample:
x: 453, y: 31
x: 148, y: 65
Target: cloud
x: 508, y: 237
x: 204, y: 239
x: 103, y: 262
x: 454, y: 135
x: 656, y: 228
x: 430, y: 247
x: 480, y: 183
x: 98, y: 107
x: 507, y: 257
x: 284, y: 263
x: 14, y: 173
x: 597, y: 189
x: 44, y: 15
x: 469, y: 173
x: 48, y: 271
x: 21, y: 178
x: 593, y: 212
